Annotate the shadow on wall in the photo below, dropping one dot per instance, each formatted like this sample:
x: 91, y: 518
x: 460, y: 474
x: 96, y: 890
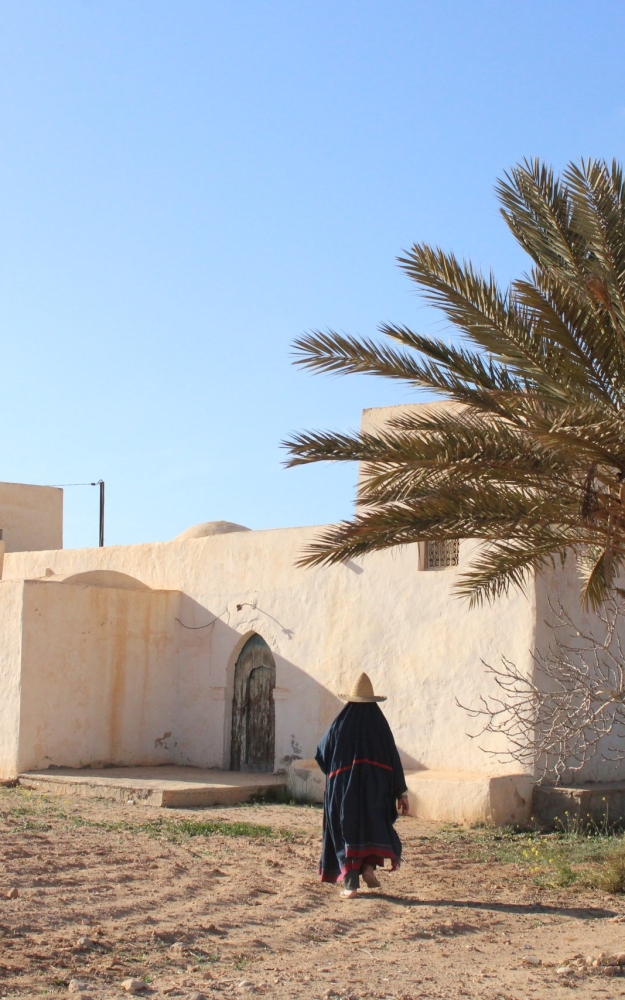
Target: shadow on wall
x: 304, y: 707
x: 239, y: 678
x: 574, y: 637
x: 132, y: 677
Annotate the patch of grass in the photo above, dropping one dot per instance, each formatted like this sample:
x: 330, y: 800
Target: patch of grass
x: 26, y: 809
x: 31, y: 810
x: 203, y: 828
x: 202, y: 958
x: 240, y: 962
x: 176, y: 830
x: 575, y: 854
x: 611, y: 875
x: 37, y: 825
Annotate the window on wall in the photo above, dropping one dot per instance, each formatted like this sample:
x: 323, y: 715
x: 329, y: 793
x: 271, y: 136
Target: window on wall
x: 439, y: 555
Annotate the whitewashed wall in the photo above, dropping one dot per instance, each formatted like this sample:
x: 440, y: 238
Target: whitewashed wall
x: 559, y: 587
x: 420, y: 646
x: 31, y: 517
x: 104, y: 677
x: 97, y: 683
x: 10, y: 661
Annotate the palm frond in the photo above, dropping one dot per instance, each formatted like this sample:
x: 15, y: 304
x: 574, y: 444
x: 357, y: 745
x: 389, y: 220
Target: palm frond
x: 532, y: 461
x: 597, y: 195
x: 489, y: 317
x: 537, y: 208
x: 505, y: 564
x: 591, y: 567
x: 562, y: 317
x: 335, y: 353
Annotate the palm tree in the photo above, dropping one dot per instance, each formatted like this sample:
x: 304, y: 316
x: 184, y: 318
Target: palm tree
x: 532, y: 461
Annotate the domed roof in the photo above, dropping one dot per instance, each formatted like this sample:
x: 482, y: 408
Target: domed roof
x: 97, y: 578
x: 207, y: 528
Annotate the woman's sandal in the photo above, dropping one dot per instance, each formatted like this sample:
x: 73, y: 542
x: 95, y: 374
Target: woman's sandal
x: 349, y: 893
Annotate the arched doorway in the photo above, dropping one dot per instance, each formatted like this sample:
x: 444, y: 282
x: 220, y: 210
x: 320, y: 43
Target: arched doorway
x: 253, y: 711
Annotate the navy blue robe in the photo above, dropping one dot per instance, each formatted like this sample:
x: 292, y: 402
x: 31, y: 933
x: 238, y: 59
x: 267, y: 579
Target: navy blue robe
x: 364, y: 779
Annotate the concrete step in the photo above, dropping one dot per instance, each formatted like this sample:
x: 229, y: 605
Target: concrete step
x: 568, y: 807
x: 464, y: 797
x: 469, y: 798
x: 167, y: 786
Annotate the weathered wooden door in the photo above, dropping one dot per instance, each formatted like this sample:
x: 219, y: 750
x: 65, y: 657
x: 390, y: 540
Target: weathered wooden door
x: 253, y: 710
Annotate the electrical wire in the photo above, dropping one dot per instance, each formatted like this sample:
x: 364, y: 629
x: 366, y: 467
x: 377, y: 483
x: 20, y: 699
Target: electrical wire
x: 194, y: 628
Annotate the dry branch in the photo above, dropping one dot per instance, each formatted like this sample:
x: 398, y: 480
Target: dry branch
x: 571, y: 707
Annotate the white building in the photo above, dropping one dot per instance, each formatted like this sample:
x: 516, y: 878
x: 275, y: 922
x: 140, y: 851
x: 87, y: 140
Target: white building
x: 214, y: 650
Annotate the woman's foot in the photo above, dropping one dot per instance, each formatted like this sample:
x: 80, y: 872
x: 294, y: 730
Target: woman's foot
x: 349, y: 893
x: 368, y: 876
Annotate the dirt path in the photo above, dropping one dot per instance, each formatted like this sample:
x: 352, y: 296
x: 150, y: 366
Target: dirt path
x: 228, y: 915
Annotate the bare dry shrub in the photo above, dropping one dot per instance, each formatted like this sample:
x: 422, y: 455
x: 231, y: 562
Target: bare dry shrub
x: 571, y: 707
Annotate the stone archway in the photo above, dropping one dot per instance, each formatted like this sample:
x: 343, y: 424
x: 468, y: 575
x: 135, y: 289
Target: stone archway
x: 253, y: 739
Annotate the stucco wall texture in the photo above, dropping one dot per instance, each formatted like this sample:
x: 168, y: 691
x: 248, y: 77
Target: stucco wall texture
x: 126, y: 654
x: 97, y: 681
x: 10, y: 679
x: 31, y: 517
x: 383, y: 615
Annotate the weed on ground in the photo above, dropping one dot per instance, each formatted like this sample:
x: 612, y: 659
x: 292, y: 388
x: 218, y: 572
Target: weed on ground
x: 176, y: 830
x: 34, y: 811
x: 582, y: 855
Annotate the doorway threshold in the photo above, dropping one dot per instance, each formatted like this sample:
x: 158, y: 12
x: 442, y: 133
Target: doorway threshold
x: 166, y: 786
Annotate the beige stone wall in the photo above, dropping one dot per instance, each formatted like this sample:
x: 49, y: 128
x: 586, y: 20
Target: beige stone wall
x: 560, y: 587
x: 383, y: 615
x: 10, y: 657
x: 113, y: 674
x: 377, y: 418
x: 31, y: 517
x: 98, y: 682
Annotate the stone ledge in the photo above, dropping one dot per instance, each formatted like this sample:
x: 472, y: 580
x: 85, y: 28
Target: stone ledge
x: 467, y: 797
x: 569, y: 805
x: 463, y: 797
x: 167, y: 786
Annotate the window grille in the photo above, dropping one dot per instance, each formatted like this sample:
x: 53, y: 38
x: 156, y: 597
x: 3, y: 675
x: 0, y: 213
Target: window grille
x: 441, y: 554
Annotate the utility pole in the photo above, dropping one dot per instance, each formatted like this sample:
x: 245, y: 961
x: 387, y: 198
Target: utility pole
x: 100, y: 483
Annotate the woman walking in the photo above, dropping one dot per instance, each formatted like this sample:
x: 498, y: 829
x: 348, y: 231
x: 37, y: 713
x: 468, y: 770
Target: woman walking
x: 365, y: 791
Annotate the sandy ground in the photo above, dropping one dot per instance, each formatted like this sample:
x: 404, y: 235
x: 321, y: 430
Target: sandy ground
x: 229, y: 916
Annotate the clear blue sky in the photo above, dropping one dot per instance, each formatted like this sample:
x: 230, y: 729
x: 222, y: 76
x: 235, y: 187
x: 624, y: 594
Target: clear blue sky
x: 187, y: 185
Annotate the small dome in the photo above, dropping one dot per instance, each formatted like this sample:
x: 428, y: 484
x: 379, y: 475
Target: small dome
x: 98, y: 578
x: 207, y: 528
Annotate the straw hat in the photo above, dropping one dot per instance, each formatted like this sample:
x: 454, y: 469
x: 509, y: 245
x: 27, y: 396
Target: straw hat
x: 362, y: 690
